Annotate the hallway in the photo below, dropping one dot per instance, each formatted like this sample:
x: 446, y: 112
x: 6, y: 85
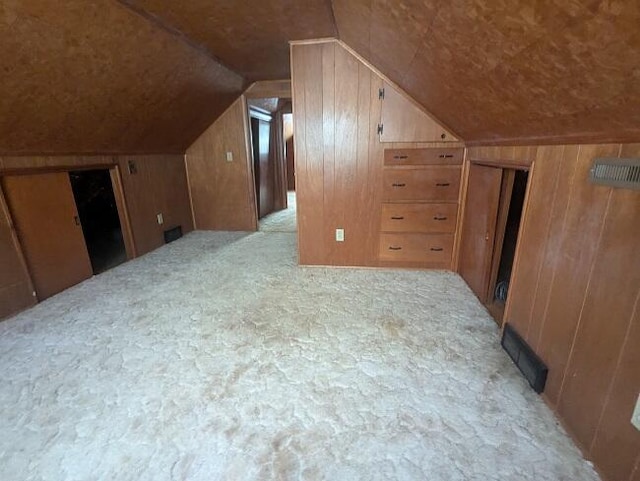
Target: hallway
x: 284, y: 220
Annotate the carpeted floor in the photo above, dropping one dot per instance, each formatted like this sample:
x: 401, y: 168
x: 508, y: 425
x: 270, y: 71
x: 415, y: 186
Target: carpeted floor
x: 216, y: 358
x: 281, y: 221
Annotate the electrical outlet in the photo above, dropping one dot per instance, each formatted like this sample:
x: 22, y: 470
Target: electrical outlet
x: 339, y: 235
x: 160, y: 219
x: 635, y: 417
x: 229, y: 156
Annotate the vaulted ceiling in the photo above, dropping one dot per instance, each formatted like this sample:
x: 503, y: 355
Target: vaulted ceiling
x: 151, y: 75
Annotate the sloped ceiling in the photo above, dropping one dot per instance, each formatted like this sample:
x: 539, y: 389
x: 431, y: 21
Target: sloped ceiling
x: 251, y: 37
x: 111, y: 76
x: 82, y: 77
x: 496, y: 70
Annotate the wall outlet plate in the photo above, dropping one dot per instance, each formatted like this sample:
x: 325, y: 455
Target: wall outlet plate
x: 229, y: 156
x: 339, y: 235
x: 160, y: 219
x: 635, y: 417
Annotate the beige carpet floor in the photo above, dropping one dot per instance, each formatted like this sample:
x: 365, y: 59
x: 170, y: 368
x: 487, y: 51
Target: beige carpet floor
x: 217, y: 358
x: 281, y: 221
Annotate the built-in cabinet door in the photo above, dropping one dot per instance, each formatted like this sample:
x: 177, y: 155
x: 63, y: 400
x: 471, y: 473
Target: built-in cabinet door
x: 403, y: 121
x: 479, y: 227
x: 44, y: 213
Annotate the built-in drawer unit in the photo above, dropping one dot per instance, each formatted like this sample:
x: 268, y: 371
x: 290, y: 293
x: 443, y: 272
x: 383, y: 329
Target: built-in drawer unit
x: 420, y: 248
x: 433, y: 184
x: 426, y: 218
x: 444, y: 156
x: 419, y: 211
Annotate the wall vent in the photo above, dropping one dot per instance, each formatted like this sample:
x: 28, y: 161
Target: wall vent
x: 530, y: 365
x: 172, y: 234
x: 621, y: 173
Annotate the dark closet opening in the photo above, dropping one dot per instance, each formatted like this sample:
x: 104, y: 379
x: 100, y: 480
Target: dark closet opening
x: 511, y: 203
x: 98, y: 212
x: 511, y: 230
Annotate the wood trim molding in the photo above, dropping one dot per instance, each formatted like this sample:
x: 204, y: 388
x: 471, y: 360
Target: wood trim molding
x: 123, y: 212
x: 462, y: 202
x: 313, y: 41
x: 193, y: 213
x: 269, y: 89
x: 251, y: 188
x: 522, y: 232
x: 4, y: 210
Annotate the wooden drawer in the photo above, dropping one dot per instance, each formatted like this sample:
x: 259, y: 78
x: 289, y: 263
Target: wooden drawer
x: 427, y: 218
x: 432, y: 156
x: 428, y: 184
x: 419, y: 248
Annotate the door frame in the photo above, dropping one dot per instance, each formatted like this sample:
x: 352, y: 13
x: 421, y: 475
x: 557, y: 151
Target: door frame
x: 528, y: 166
x: 118, y: 192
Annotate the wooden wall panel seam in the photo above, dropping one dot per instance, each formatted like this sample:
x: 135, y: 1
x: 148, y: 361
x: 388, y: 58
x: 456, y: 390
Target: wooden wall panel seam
x: 543, y: 248
x: 584, y: 301
x: 547, y: 302
x: 615, y: 371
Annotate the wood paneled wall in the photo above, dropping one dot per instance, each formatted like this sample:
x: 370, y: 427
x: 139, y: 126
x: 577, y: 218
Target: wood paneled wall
x: 339, y: 158
x: 222, y: 192
x: 575, y: 295
x: 159, y: 186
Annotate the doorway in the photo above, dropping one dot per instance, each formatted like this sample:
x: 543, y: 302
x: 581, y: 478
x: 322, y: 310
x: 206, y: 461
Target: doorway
x: 98, y: 212
x: 271, y: 130
x: 514, y: 188
x: 493, y: 211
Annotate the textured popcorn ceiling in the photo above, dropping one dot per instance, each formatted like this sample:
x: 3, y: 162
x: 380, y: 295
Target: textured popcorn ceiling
x: 217, y: 358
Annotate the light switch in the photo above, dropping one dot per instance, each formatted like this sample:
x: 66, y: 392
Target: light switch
x: 229, y: 156
x: 160, y: 219
x: 339, y: 235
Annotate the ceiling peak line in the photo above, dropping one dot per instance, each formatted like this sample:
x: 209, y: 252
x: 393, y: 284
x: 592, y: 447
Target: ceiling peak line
x: 336, y: 31
x: 159, y: 23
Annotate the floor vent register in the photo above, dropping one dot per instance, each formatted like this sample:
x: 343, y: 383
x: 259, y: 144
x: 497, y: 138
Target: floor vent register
x: 531, y: 366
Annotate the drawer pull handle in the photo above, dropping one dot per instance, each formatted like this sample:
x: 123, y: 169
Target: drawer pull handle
x: 446, y: 156
x: 400, y: 157
x: 437, y: 249
x: 397, y: 218
x: 443, y: 184
x: 398, y: 185
x: 395, y: 248
x: 439, y: 218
